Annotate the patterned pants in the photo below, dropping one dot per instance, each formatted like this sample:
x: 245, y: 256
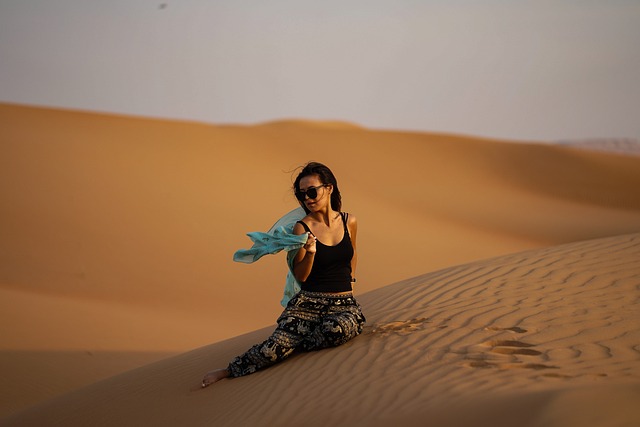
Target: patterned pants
x: 311, y: 321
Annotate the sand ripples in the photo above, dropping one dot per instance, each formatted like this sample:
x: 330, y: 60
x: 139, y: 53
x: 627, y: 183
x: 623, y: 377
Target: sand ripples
x: 539, y: 321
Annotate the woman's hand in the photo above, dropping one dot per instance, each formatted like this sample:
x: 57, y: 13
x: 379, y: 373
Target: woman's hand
x: 310, y: 246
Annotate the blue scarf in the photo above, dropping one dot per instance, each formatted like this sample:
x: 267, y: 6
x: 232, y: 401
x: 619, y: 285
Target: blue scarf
x: 278, y: 238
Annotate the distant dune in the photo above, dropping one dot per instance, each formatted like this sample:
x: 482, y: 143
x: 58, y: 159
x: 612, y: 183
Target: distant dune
x: 625, y: 146
x: 325, y: 124
x: 118, y: 232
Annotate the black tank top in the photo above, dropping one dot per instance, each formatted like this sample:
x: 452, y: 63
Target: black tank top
x: 331, y: 270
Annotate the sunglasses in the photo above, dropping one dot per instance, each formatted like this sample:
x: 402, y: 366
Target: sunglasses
x: 311, y: 192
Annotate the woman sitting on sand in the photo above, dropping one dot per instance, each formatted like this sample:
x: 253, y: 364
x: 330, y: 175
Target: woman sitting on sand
x: 324, y: 313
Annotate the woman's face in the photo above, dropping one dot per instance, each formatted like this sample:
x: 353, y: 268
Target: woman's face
x: 323, y: 198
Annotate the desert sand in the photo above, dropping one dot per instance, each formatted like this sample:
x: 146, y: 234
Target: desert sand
x: 117, y: 237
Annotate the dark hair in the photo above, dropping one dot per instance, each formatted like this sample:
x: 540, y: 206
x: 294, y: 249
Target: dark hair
x: 326, y: 177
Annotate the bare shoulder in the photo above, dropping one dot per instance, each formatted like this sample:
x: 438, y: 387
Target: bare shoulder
x: 352, y: 224
x: 351, y: 219
x: 298, y: 228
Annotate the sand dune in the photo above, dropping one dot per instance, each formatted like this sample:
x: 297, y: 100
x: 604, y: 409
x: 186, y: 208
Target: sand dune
x: 33, y: 376
x: 624, y: 146
x: 546, y: 337
x: 117, y: 232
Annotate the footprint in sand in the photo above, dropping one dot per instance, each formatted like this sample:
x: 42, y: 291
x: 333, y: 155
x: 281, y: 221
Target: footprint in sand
x: 534, y: 366
x: 481, y: 364
x: 514, y: 329
x: 401, y: 327
x: 510, y: 347
x: 555, y: 375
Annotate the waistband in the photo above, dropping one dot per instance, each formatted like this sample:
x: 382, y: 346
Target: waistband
x: 326, y: 294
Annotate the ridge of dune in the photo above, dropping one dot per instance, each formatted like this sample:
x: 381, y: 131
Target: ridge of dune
x: 547, y: 337
x: 308, y: 123
x: 276, y: 123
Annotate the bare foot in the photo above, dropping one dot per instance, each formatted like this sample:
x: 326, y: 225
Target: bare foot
x: 214, y: 376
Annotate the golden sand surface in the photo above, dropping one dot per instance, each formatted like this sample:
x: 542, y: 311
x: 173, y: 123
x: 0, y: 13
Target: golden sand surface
x: 118, y: 232
x: 546, y: 337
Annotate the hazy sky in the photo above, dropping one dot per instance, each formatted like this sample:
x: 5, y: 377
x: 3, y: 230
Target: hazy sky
x: 538, y: 69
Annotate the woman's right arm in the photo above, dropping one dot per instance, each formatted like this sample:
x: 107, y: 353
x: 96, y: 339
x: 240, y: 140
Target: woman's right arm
x: 303, y: 261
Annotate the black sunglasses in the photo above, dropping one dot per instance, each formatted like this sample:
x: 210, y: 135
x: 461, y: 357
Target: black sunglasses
x: 311, y: 192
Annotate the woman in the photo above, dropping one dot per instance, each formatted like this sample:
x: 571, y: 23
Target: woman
x: 324, y: 313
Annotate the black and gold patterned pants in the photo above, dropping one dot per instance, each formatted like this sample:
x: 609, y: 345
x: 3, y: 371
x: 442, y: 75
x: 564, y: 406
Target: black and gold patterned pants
x: 311, y: 321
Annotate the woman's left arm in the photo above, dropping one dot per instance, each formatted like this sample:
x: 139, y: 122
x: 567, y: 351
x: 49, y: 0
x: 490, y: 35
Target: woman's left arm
x: 352, y: 224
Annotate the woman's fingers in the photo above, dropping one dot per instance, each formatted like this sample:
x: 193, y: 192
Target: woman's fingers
x: 311, y: 242
x: 310, y: 246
